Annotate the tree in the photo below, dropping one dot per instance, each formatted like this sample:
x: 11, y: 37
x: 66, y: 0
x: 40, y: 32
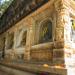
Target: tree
x: 4, y: 5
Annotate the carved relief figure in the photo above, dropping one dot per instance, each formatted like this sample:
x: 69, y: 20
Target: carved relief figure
x: 46, y: 32
x: 73, y: 30
x: 10, y: 41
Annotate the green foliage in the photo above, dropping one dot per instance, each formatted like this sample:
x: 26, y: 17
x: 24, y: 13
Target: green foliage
x: 4, y: 6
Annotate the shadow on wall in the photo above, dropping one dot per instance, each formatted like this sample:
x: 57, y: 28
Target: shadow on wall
x: 46, y: 73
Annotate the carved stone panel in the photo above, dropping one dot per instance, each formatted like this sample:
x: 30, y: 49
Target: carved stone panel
x: 21, y: 37
x: 73, y: 30
x: 2, y: 47
x: 59, y: 34
x: 23, y: 41
x: 58, y: 56
x: 41, y: 55
x: 2, y: 43
x: 10, y: 41
x: 45, y: 32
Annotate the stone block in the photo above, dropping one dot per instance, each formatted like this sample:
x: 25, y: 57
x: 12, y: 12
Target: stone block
x: 58, y: 56
x: 41, y: 55
x: 59, y: 44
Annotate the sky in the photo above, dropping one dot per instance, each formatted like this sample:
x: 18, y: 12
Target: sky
x: 1, y: 1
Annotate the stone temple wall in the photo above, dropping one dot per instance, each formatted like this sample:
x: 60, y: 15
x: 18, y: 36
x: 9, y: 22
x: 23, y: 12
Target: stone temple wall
x: 32, y: 39
x: 22, y: 40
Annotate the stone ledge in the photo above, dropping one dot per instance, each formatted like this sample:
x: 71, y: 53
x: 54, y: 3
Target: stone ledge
x: 43, y: 46
x: 33, y: 68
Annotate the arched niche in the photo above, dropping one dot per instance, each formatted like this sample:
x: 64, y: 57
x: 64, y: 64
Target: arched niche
x: 23, y: 40
x: 73, y: 30
x: 10, y: 41
x: 2, y: 43
x: 45, y: 30
x: 2, y: 47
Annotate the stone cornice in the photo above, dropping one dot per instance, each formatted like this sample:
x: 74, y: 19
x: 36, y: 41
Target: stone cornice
x: 72, y: 8
x: 65, y: 4
x: 61, y: 4
x: 17, y: 11
x: 43, y: 46
x: 72, y: 4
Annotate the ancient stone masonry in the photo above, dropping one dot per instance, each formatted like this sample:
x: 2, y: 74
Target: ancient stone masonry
x: 34, y: 31
x: 17, y: 10
x: 2, y: 47
x: 59, y: 34
x: 23, y: 41
x: 46, y: 35
x: 10, y: 40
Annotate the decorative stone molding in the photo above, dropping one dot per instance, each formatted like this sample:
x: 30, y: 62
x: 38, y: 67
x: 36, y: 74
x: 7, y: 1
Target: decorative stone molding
x: 58, y: 56
x: 59, y: 34
x: 41, y: 55
x: 43, y: 46
x: 10, y: 40
x: 59, y: 44
x: 28, y: 44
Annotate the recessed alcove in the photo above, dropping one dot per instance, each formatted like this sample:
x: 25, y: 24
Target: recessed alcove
x: 45, y: 34
x: 10, y: 41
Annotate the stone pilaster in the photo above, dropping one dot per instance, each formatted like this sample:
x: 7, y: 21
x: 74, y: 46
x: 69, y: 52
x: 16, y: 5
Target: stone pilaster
x: 69, y: 46
x: 67, y: 39
x: 28, y: 44
x: 59, y: 33
x: 63, y: 22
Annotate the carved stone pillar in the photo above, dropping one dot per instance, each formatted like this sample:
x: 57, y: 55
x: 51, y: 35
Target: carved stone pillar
x: 67, y: 39
x: 69, y: 46
x: 28, y: 44
x: 59, y: 33
x: 62, y: 30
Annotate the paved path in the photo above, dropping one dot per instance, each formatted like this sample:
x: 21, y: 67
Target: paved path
x: 14, y: 73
